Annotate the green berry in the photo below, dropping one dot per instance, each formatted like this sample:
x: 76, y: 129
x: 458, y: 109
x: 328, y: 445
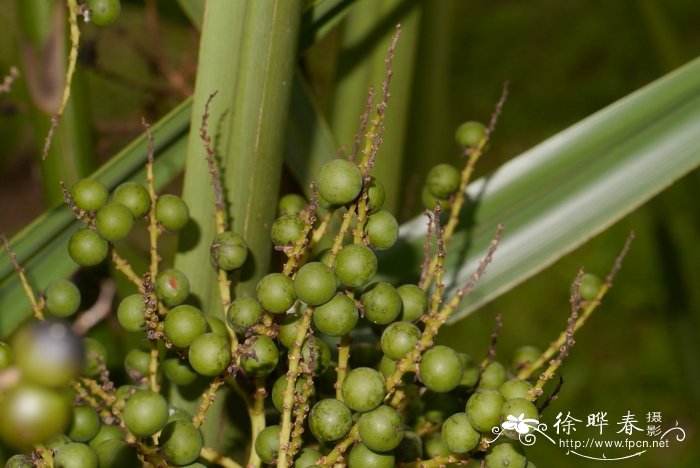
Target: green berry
x: 275, y: 292
x: 106, y: 433
x: 469, y: 134
x: 308, y: 457
x: 339, y: 182
x: 434, y: 446
x: 180, y: 442
x: 172, y: 287
x: 505, y: 455
x: 470, y: 372
x: 281, y: 384
x: 260, y: 357
x: 228, y: 251
x: 20, y: 461
x: 137, y: 364
x: 375, y: 195
x: 440, y: 369
x: 62, y: 298
x: 362, y: 457
x: 315, y: 283
x: 458, y: 434
x: 30, y: 414
x: 355, y: 265
x: 484, y: 409
x: 387, y: 367
x: 210, y: 354
x: 316, y: 353
x: 430, y: 201
x: 517, y: 407
x: 493, y: 375
x: 515, y: 388
x: 382, y: 230
x: 267, y: 444
x: 134, y: 196
x: 330, y: 420
x: 443, y: 180
x: 131, y: 313
x: 103, y: 12
x: 590, y: 285
x: 288, y: 328
x: 178, y: 414
x: 7, y: 357
x: 114, y: 221
x: 243, y: 313
x: 381, y: 302
x: 287, y: 229
x: 363, y: 389
x: 291, y: 204
x: 89, y: 194
x: 381, y: 429
x: 87, y: 248
x: 116, y: 453
x: 145, y: 413
x: 399, y: 338
x: 336, y: 317
x: 524, y: 356
x: 172, y: 212
x: 75, y: 455
x: 216, y: 326
x: 183, y: 324
x: 95, y: 356
x: 414, y: 302
x: 85, y: 424
x: 179, y: 372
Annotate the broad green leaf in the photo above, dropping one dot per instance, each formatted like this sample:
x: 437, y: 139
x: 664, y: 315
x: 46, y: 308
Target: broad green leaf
x: 562, y: 192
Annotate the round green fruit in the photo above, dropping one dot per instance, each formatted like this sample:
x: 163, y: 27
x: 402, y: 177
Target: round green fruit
x: 308, y: 457
x: 443, y: 180
x: 329, y: 420
x: 87, y: 248
x: 339, y: 182
x: 183, y: 324
x: 484, y: 409
x: 381, y: 302
x: 375, y: 195
x: 131, y: 313
x: 382, y: 230
x: 228, y: 251
x: 414, y: 302
x: 75, y: 455
x: 430, y: 201
x: 336, y: 317
x: 243, y: 313
x: 95, y: 356
x: 267, y: 444
x: 381, y: 429
x: 355, y: 265
x: 106, y: 433
x: 172, y: 212
x: 180, y: 442
x: 145, y: 413
x: 116, y: 453
x: 179, y: 372
x: 458, y: 434
x: 210, y: 354
x: 137, y: 364
x: 362, y: 457
x: 469, y: 134
x: 399, y: 338
x: 287, y: 229
x: 291, y: 204
x: 363, y: 389
x: 103, y: 12
x: 281, y: 384
x: 134, y: 196
x: 114, y: 221
x: 515, y: 388
x: 524, y: 356
x: 316, y: 353
x: 172, y: 287
x: 505, y: 455
x: 315, y: 283
x: 261, y: 357
x: 85, y: 425
x: 62, y: 298
x: 276, y: 293
x: 471, y: 371
x: 493, y: 376
x: 288, y: 329
x: 441, y: 369
x: 89, y: 194
x: 590, y: 285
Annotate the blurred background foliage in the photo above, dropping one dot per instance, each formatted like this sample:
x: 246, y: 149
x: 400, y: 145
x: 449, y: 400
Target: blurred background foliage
x: 564, y: 61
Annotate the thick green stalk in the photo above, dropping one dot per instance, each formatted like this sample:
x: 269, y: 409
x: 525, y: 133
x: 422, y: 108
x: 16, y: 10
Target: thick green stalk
x: 368, y: 34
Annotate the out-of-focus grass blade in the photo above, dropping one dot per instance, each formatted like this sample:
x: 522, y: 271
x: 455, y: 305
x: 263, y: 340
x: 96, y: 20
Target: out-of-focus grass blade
x: 562, y: 192
x: 41, y: 246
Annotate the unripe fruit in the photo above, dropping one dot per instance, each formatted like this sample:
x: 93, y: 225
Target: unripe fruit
x: 172, y: 287
x: 85, y: 424
x: 355, y: 265
x: 137, y: 364
x: 308, y: 457
x: 291, y: 204
x: 440, y: 369
x: 106, y: 433
x: 260, y: 358
x: 458, y: 434
x: 515, y: 388
x: 524, y: 356
x: 276, y: 293
x: 381, y: 429
x: 286, y: 229
x: 493, y: 375
x: 216, y: 326
x: 114, y: 221
x: 590, y: 285
x: 339, y: 182
x: 375, y: 195
x: 62, y: 298
x: 399, y: 338
x: 74, y: 455
x: 243, y: 313
x: 288, y: 328
x: 484, y: 410
x: 382, y: 229
x: 228, y: 251
x: 134, y: 196
x: 414, y: 302
x: 470, y: 371
x: 363, y: 389
x: 443, y: 180
x: 316, y: 353
x: 172, y: 212
x: 89, y: 194
x: 180, y: 442
x: 315, y: 283
x: 382, y: 303
x: 131, y: 313
x: 330, y: 420
x: 281, y: 384
x: 145, y: 413
x: 267, y: 444
x: 95, y: 355
x: 469, y: 134
x: 103, y: 12
x: 362, y: 457
x: 87, y: 248
x: 517, y: 407
x: 178, y: 371
x: 336, y: 317
x: 116, y: 453
x: 505, y: 455
x: 430, y: 201
x: 209, y: 354
x: 183, y: 324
